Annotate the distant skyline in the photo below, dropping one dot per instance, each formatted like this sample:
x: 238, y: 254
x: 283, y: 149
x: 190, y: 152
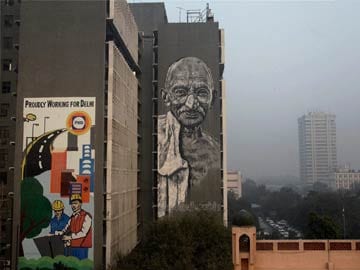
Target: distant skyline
x: 284, y: 59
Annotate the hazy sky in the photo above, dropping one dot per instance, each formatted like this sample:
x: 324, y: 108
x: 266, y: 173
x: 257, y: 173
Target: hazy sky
x: 283, y: 59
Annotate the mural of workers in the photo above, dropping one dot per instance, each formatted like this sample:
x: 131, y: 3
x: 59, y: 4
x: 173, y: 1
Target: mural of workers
x: 185, y: 152
x: 60, y: 219
x: 77, y: 232
x: 58, y: 162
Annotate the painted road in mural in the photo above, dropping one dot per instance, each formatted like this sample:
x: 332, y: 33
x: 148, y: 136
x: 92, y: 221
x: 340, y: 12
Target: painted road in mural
x: 38, y: 155
x: 58, y: 171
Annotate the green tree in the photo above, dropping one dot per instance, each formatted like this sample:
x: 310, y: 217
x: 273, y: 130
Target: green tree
x: 321, y: 227
x: 35, y: 210
x: 243, y: 218
x: 190, y: 240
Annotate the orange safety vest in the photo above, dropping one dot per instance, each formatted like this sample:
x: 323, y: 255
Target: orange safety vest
x: 76, y: 223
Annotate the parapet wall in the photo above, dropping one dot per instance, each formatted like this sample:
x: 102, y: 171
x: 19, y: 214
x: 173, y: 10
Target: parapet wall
x: 294, y: 254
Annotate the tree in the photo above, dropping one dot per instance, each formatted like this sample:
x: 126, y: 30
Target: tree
x: 250, y: 191
x: 190, y: 240
x: 35, y: 210
x: 321, y: 227
x: 243, y: 218
x: 320, y: 187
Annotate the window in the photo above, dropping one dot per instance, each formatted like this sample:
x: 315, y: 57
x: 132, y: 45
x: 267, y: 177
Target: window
x: 4, y: 109
x: 3, y: 178
x: 9, y: 2
x: 7, y: 43
x: 4, y: 135
x: 8, y: 20
x: 3, y: 158
x: 6, y: 64
x: 6, y: 87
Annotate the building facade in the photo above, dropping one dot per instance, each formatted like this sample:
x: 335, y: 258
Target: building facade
x: 91, y: 124
x: 148, y: 17
x: 315, y: 254
x: 9, y: 34
x: 317, y: 147
x: 234, y: 182
x: 187, y: 114
x: 77, y: 133
x: 346, y: 178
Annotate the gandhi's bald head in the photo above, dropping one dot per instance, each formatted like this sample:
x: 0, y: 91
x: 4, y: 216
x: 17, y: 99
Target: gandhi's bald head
x: 189, y: 90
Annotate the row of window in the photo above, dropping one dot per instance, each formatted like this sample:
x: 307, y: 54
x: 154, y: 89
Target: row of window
x: 10, y: 3
x: 348, y: 175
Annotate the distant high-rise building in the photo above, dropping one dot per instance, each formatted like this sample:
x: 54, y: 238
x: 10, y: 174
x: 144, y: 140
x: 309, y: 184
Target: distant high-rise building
x: 234, y: 181
x: 317, y: 147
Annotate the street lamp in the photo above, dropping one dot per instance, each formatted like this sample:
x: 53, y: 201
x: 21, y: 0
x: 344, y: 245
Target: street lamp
x: 344, y: 227
x: 46, y: 117
x: 32, y: 131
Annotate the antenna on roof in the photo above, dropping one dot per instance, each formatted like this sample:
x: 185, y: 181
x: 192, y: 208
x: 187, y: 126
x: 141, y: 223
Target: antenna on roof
x: 197, y: 15
x: 209, y: 14
x: 180, y: 9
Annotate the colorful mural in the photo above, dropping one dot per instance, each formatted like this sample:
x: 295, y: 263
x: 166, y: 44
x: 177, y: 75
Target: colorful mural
x: 58, y: 170
x: 187, y: 154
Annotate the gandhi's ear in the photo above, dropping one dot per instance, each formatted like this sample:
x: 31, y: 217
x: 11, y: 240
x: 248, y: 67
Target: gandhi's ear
x: 165, y: 96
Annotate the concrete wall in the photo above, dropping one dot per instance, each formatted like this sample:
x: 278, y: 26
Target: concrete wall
x: 121, y: 163
x: 294, y: 254
x: 124, y: 21
x: 200, y: 40
x: 148, y: 17
x: 62, y: 55
x: 9, y: 13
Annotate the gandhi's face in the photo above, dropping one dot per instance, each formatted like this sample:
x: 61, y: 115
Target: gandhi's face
x: 189, y: 91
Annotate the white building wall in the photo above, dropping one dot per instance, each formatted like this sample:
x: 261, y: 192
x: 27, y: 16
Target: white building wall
x: 234, y: 181
x: 317, y: 147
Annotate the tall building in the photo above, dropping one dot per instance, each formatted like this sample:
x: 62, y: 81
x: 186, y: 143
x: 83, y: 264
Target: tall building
x: 317, y: 147
x: 234, y: 182
x: 90, y: 132
x: 76, y: 132
x: 186, y: 119
x: 9, y: 34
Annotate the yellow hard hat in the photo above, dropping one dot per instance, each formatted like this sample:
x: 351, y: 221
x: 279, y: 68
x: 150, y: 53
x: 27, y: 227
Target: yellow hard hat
x: 75, y: 197
x: 58, y: 205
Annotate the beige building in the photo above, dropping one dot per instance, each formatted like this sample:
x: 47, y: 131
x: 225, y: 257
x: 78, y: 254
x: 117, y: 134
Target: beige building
x: 234, y: 182
x: 346, y: 178
x: 317, y: 147
x: 252, y: 254
x: 122, y: 136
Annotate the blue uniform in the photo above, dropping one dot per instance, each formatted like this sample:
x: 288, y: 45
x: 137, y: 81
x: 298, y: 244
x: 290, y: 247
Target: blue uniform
x: 58, y: 224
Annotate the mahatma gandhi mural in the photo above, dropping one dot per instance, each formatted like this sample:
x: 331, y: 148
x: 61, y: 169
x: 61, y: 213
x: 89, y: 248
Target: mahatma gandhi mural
x: 186, y: 153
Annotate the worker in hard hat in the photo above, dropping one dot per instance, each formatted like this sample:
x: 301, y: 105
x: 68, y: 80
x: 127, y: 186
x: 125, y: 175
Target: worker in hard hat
x: 78, y: 230
x: 60, y: 219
